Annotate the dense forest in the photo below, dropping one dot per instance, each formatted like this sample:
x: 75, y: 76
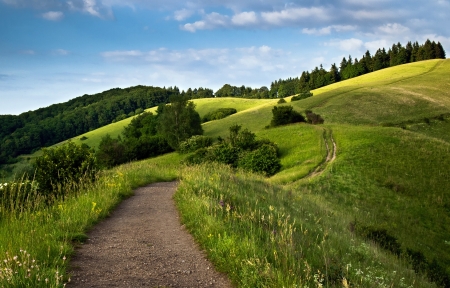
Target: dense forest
x: 44, y: 127
x: 32, y: 130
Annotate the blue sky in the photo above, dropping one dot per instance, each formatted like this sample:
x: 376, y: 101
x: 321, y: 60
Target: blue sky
x: 54, y: 50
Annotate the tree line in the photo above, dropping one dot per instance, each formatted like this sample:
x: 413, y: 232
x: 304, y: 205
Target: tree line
x: 348, y: 68
x: 29, y: 131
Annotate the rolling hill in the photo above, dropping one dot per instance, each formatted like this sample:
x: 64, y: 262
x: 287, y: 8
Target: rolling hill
x: 382, y: 205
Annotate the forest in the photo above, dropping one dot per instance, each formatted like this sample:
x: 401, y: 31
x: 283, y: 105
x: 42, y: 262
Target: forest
x: 30, y: 131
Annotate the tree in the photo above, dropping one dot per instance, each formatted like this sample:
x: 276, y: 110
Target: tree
x: 179, y: 121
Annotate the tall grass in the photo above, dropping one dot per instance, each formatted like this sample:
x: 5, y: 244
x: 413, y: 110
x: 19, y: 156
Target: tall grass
x: 263, y: 235
x: 37, y: 240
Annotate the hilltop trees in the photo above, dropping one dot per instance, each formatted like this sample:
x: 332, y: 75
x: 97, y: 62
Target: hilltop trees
x: 178, y: 121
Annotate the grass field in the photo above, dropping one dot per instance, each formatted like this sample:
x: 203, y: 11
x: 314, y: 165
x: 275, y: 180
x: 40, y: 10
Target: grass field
x: 391, y: 174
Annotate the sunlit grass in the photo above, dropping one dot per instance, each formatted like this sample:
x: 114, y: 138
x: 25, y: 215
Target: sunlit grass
x: 36, y: 239
x: 263, y: 235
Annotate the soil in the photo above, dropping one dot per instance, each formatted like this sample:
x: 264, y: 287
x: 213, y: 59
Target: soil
x: 143, y: 244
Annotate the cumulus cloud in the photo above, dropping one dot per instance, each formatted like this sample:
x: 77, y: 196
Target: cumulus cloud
x: 182, y: 14
x: 244, y: 19
x: 53, y: 15
x: 347, y: 45
x: 92, y: 7
x: 329, y: 29
x: 241, y: 64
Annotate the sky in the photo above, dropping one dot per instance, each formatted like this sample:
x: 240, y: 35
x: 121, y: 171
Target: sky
x: 52, y: 51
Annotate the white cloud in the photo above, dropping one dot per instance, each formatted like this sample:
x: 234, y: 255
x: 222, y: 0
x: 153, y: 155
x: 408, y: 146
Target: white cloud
x: 53, y: 15
x: 329, y: 29
x: 292, y: 15
x: 92, y: 7
x: 393, y: 29
x: 182, y: 14
x: 247, y: 65
x: 244, y: 19
x: 347, y: 45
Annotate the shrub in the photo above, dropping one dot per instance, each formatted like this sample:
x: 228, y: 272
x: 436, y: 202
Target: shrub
x: 218, y: 114
x: 63, y: 166
x: 301, y: 96
x: 194, y: 143
x: 281, y: 101
x: 313, y: 118
x: 262, y: 160
x: 284, y: 115
x: 83, y: 138
x: 111, y: 152
x: 227, y: 154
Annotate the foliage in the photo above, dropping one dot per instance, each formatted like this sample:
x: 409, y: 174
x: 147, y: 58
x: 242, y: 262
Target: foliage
x: 313, y: 118
x: 241, y: 149
x: 111, y: 152
x: 285, y: 115
x: 263, y: 160
x: 194, y: 143
x: 62, y: 166
x: 218, y: 114
x: 281, y: 101
x: 179, y: 121
x: 301, y: 96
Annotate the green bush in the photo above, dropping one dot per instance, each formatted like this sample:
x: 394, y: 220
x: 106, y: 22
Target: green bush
x: 284, y: 115
x: 281, y: 101
x: 262, y: 160
x: 218, y: 114
x: 301, y: 96
x: 64, y: 166
x: 194, y: 143
x: 239, y: 150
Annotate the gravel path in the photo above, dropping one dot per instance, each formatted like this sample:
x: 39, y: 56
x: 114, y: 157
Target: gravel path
x: 142, y: 244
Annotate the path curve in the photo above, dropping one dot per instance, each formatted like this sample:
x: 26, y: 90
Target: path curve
x: 331, y: 155
x: 143, y: 244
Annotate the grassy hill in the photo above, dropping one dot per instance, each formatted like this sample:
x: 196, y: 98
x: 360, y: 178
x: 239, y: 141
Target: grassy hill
x: 368, y: 218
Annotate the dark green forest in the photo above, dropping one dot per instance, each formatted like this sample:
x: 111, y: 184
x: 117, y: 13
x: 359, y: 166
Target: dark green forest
x: 30, y: 131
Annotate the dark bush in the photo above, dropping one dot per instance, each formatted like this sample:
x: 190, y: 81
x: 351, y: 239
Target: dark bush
x: 285, y: 115
x: 218, y: 114
x: 301, y: 96
x: 313, y: 118
x: 83, y: 138
x: 64, y: 166
x: 111, y: 152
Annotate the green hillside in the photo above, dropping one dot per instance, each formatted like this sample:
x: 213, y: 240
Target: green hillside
x: 367, y: 217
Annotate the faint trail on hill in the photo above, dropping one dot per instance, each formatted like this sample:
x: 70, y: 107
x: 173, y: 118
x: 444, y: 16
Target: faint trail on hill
x: 331, y: 155
x: 143, y: 244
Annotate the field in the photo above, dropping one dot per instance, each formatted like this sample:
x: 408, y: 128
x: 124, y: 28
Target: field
x: 314, y: 222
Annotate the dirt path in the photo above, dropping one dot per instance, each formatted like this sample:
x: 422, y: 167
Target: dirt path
x: 331, y: 156
x: 142, y: 244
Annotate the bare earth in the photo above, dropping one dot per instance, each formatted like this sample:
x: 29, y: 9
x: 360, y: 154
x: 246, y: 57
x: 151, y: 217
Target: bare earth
x: 143, y: 244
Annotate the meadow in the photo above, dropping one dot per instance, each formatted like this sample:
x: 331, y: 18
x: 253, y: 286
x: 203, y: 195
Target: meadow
x: 297, y: 228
